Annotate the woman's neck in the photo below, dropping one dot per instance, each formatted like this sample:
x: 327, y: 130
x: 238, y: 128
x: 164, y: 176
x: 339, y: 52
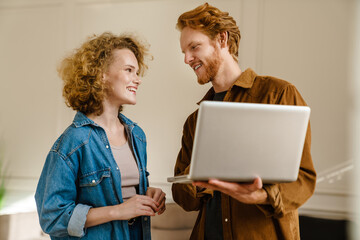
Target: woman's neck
x: 108, y: 119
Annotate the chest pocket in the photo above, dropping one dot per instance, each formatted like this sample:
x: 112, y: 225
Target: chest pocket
x: 94, y: 178
x: 96, y: 189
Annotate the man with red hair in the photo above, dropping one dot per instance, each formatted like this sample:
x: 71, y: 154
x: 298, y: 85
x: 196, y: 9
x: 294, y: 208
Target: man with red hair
x: 210, y: 40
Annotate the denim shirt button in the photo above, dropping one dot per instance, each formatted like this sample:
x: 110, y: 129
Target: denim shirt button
x: 93, y: 181
x: 107, y: 146
x: 117, y: 168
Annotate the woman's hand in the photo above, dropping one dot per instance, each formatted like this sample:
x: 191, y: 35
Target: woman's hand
x: 138, y: 205
x: 159, y: 197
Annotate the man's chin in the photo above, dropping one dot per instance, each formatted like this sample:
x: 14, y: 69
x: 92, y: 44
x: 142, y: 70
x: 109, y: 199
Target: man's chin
x: 203, y: 81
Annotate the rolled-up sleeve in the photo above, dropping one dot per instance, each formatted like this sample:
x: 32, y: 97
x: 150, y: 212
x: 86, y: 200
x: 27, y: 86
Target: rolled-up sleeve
x: 77, y: 221
x: 56, y: 198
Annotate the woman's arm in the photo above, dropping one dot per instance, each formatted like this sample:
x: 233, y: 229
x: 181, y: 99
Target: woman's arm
x: 137, y: 205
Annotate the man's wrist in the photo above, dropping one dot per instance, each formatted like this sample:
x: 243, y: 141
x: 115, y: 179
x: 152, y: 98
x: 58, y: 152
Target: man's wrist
x: 263, y: 197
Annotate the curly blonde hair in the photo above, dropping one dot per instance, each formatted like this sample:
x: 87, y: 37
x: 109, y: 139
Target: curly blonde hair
x: 211, y: 21
x: 82, y: 71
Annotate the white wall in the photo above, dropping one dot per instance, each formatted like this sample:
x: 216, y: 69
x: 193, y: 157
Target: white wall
x: 305, y: 42
x: 355, y: 116
x: 36, y: 114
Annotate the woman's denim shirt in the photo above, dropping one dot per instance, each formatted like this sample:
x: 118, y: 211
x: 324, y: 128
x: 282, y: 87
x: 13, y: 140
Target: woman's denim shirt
x: 80, y: 172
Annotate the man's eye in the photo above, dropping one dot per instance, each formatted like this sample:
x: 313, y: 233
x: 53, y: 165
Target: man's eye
x: 194, y: 47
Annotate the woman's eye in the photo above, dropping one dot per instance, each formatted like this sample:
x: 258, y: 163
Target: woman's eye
x: 129, y: 70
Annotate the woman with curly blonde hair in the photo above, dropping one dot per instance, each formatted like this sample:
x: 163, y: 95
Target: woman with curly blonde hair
x: 94, y: 182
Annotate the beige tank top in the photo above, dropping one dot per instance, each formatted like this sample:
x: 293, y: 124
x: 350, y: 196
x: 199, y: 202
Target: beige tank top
x: 125, y: 159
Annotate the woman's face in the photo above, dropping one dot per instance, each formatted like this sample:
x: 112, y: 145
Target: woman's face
x: 122, y: 77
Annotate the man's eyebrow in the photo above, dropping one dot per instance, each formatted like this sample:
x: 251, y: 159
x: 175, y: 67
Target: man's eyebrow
x: 191, y: 43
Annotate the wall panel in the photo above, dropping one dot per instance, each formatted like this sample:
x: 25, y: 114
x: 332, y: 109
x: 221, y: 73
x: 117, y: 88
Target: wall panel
x: 307, y: 43
x: 30, y: 42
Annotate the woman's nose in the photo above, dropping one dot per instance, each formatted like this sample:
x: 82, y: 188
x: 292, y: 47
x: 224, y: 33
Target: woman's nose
x: 137, y: 80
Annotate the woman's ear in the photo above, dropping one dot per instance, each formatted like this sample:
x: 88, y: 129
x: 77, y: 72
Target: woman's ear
x: 103, y: 77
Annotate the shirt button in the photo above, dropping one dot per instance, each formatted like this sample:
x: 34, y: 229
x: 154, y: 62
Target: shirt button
x: 226, y: 220
x: 93, y: 181
x: 145, y: 218
x: 117, y: 168
x: 107, y: 146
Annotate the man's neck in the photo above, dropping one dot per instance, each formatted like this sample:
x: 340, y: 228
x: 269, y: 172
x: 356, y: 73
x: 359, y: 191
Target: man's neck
x: 228, y: 73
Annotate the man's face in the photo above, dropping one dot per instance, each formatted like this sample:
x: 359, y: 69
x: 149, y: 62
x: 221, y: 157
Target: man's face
x: 201, y: 53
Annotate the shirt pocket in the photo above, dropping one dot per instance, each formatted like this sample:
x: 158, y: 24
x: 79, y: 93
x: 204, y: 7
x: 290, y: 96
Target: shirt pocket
x: 96, y: 189
x: 94, y: 178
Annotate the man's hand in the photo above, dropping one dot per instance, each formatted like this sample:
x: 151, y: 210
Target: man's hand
x: 159, y: 196
x: 250, y: 193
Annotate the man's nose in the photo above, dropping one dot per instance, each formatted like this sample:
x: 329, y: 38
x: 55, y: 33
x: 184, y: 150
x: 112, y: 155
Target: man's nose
x: 188, y: 58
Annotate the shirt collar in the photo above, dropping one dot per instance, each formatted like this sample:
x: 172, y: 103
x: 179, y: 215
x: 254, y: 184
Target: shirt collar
x: 245, y: 80
x: 81, y: 119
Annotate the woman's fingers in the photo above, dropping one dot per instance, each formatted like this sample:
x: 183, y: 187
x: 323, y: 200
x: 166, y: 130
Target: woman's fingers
x: 161, y: 198
x: 147, y: 201
x: 158, y: 196
x: 162, y: 210
x: 155, y: 193
x: 146, y: 211
x: 149, y: 204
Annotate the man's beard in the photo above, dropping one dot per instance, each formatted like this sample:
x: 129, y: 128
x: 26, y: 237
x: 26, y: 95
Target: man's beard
x: 211, y: 68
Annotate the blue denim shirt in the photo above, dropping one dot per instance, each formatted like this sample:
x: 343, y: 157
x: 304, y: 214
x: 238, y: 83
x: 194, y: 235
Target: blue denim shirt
x: 80, y: 172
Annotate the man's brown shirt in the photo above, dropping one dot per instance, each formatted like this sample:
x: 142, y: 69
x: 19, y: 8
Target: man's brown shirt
x: 277, y: 220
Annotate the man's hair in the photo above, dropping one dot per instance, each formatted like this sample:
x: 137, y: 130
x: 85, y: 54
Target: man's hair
x: 211, y: 21
x: 82, y: 71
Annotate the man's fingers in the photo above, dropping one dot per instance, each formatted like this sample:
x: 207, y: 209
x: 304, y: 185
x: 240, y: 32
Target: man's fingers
x: 223, y: 186
x: 208, y: 186
x: 255, y: 185
x: 258, y: 183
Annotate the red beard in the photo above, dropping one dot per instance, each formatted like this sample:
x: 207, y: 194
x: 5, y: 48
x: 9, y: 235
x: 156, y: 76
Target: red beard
x: 211, y: 68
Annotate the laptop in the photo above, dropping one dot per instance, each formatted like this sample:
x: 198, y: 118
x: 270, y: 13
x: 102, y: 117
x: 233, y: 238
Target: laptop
x: 238, y: 142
